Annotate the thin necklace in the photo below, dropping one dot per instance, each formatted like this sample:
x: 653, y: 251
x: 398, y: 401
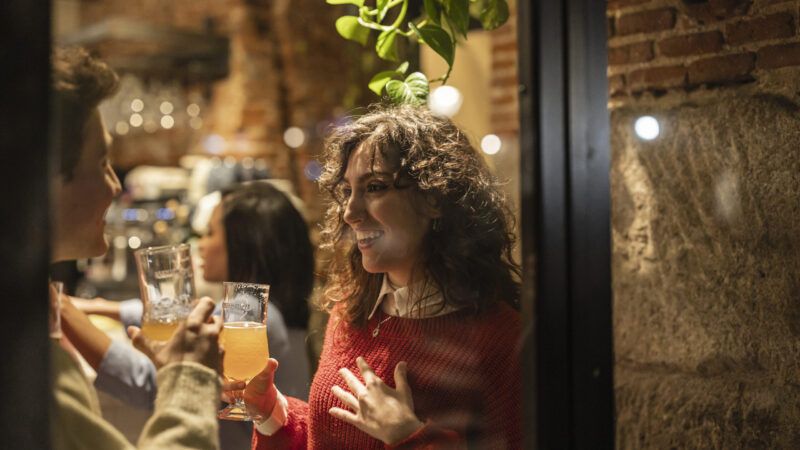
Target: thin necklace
x: 378, y: 327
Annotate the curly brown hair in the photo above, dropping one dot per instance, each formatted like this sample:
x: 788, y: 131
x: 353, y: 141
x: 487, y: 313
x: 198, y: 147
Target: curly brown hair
x: 80, y: 82
x: 467, y: 253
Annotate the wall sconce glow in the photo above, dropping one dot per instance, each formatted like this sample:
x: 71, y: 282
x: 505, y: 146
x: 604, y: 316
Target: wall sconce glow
x: 122, y: 128
x: 166, y: 107
x: 136, y: 120
x: 445, y: 101
x: 137, y: 105
x: 214, y: 144
x: 647, y: 128
x: 294, y: 137
x: 491, y: 144
x: 196, y: 123
x: 167, y: 122
x: 134, y: 242
x: 193, y: 110
x: 313, y: 170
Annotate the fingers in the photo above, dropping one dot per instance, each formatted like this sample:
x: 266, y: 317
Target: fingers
x: 345, y: 415
x: 347, y: 398
x: 233, y: 385
x: 200, y: 313
x: 401, y: 380
x: 216, y: 322
x: 140, y: 342
x: 353, y: 382
x: 266, y: 377
x: 366, y: 372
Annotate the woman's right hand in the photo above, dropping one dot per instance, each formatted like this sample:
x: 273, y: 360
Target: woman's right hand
x: 195, y: 340
x: 260, y: 395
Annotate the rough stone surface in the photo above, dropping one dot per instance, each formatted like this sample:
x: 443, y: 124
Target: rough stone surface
x: 706, y: 241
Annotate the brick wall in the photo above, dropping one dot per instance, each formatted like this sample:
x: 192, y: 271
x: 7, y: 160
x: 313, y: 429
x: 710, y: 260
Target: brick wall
x: 282, y: 55
x: 504, y: 80
x: 661, y: 45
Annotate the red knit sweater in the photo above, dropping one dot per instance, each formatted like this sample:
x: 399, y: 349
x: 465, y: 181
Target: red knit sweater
x: 463, y: 370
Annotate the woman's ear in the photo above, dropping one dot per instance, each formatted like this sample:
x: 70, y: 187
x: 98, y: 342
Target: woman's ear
x: 431, y: 207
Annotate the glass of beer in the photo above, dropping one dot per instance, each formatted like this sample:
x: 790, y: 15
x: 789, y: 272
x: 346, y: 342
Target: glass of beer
x: 244, y: 338
x: 166, y: 281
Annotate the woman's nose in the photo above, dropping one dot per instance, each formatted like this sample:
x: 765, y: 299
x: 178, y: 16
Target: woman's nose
x: 116, y: 186
x: 353, y: 210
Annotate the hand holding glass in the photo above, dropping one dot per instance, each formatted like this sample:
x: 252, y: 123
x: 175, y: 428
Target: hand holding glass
x: 244, y: 339
x: 166, y: 281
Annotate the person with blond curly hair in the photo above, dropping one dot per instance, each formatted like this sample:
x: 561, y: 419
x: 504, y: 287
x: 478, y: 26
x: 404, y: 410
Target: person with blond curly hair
x: 422, y: 347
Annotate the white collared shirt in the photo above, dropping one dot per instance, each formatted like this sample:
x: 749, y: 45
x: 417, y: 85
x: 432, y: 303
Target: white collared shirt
x: 404, y: 304
x: 401, y: 304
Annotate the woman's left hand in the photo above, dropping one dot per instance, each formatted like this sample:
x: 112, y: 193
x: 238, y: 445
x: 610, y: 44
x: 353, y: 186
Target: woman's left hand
x: 375, y: 408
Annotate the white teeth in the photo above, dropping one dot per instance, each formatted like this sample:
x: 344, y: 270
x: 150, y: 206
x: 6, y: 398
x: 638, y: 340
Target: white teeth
x: 366, y: 235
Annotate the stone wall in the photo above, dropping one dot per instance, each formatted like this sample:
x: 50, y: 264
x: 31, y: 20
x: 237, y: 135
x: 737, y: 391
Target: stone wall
x: 704, y: 220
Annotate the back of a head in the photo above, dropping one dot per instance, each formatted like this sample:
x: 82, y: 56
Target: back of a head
x: 80, y: 82
x: 267, y: 242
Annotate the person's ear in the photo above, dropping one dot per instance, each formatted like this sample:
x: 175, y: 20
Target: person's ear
x: 431, y: 207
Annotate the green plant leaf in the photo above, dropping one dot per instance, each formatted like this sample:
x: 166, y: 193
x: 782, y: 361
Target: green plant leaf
x: 380, y: 79
x: 349, y: 28
x: 386, y: 45
x: 401, y: 69
x: 358, y: 3
x: 433, y: 10
x: 413, y: 90
x: 380, y: 5
x: 494, y: 14
x: 438, y: 40
x: 457, y: 12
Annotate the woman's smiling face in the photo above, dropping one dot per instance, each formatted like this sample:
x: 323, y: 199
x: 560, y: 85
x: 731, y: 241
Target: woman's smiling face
x: 387, y: 222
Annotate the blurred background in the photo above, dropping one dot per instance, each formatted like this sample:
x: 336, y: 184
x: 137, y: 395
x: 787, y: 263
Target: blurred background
x: 219, y: 92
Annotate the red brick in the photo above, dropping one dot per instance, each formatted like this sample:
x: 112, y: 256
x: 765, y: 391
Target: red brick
x: 610, y: 26
x: 691, y: 44
x: 510, y: 46
x: 716, y: 10
x: 646, y: 21
x: 510, y: 80
x: 776, y: 56
x: 616, y: 4
x: 504, y: 64
x: 768, y: 27
x: 633, y: 53
x: 722, y: 69
x: 616, y: 84
x: 657, y: 78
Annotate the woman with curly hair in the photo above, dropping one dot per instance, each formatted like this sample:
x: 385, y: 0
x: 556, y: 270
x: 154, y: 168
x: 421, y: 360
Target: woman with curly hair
x: 422, y: 293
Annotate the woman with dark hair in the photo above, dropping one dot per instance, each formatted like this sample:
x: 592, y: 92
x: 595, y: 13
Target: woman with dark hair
x: 83, y: 188
x: 255, y: 235
x: 423, y: 295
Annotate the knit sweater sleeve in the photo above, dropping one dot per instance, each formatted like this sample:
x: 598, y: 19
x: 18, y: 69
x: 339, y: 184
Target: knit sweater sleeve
x: 185, y: 413
x: 294, y: 433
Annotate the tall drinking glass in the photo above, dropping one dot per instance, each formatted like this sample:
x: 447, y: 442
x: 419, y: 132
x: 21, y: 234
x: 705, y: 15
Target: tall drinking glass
x: 166, y: 281
x: 244, y: 338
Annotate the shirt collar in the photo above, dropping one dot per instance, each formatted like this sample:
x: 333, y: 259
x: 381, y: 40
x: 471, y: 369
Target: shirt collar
x: 403, y: 305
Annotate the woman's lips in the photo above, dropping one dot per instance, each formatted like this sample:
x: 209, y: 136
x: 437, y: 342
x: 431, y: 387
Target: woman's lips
x: 366, y: 239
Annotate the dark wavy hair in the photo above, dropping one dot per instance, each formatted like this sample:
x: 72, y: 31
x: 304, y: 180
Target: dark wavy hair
x: 467, y: 253
x: 79, y: 83
x: 267, y: 242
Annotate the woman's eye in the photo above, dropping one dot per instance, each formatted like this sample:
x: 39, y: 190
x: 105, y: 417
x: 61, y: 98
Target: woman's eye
x: 375, y: 187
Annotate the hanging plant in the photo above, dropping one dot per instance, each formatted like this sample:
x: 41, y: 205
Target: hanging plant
x: 439, y: 26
